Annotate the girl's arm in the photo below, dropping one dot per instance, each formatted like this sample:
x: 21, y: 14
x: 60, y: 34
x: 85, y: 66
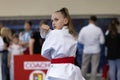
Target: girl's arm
x: 44, y: 30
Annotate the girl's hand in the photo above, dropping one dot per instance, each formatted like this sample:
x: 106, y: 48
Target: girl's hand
x: 45, y: 27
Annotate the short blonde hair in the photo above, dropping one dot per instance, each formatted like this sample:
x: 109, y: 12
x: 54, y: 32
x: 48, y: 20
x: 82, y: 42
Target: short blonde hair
x: 5, y: 32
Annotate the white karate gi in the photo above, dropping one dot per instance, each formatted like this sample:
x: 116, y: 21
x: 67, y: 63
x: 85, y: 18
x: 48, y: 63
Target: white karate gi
x: 14, y: 49
x: 60, y: 44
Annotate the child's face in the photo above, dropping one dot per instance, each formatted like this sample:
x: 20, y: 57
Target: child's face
x: 58, y: 20
x: 27, y: 26
x: 15, y: 40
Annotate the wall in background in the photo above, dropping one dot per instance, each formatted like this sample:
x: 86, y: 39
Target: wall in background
x: 47, y: 7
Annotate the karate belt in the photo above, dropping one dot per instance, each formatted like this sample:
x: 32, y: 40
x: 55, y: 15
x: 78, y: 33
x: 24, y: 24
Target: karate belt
x: 63, y: 60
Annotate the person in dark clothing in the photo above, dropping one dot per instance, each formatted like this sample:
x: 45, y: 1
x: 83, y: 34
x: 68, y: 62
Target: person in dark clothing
x: 113, y: 51
x: 36, y: 43
x: 36, y: 40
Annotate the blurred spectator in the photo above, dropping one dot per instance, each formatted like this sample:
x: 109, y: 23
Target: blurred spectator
x: 14, y: 49
x: 36, y: 40
x: 1, y: 26
x: 1, y: 53
x: 7, y: 36
x: 91, y: 36
x: 25, y: 36
x: 113, y: 51
x: 117, y: 23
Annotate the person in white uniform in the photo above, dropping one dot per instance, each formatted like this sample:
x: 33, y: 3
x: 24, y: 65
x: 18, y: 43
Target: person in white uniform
x: 1, y: 49
x: 60, y: 47
x: 14, y: 49
x: 91, y: 36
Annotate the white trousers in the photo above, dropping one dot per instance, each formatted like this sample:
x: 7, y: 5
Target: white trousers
x: 12, y: 71
x: 64, y: 72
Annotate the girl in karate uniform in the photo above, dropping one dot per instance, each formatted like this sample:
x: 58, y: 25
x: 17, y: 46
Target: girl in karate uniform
x: 60, y: 47
x: 14, y: 49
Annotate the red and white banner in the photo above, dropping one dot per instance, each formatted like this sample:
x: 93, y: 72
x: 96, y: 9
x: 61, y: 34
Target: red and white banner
x: 30, y: 67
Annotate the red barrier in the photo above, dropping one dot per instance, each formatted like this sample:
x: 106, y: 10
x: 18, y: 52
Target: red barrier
x: 30, y: 67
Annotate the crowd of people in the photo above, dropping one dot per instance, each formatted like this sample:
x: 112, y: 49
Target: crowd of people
x: 60, y: 45
x: 26, y: 42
